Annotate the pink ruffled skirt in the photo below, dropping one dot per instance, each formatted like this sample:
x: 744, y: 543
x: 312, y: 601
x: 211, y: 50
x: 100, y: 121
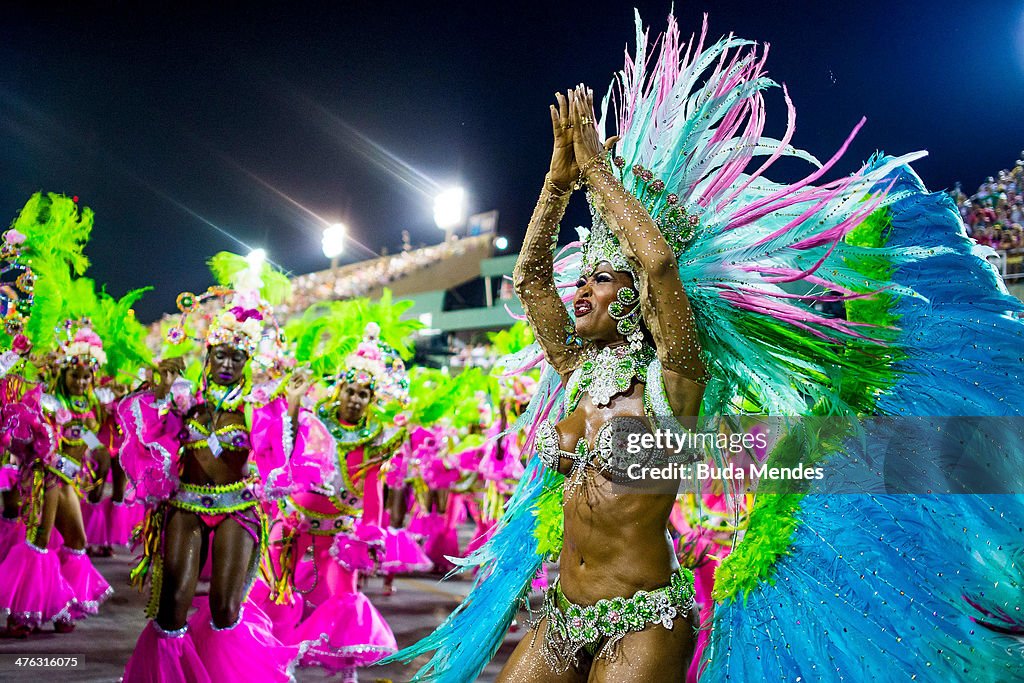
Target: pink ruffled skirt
x: 111, y: 524
x: 244, y: 653
x: 403, y: 553
x: 165, y: 657
x: 88, y: 587
x: 345, y: 632
x: 33, y: 590
x: 283, y: 617
x: 442, y: 540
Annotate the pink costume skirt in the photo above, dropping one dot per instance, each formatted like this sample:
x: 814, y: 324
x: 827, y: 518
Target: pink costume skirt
x: 33, y: 590
x: 345, y: 632
x: 403, y: 553
x: 283, y: 617
x: 165, y: 657
x: 89, y: 588
x: 110, y: 523
x: 246, y: 652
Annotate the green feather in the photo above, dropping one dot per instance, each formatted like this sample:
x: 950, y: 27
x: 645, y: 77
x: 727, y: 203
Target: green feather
x: 56, y: 231
x: 124, y: 337
x: 226, y: 268
x: 860, y: 371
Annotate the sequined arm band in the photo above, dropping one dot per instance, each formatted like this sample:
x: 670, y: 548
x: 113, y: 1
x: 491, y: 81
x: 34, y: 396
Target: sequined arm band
x: 534, y: 281
x: 663, y: 301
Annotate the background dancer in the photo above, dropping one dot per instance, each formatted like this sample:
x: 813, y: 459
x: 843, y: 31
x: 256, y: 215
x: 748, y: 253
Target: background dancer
x: 188, y: 453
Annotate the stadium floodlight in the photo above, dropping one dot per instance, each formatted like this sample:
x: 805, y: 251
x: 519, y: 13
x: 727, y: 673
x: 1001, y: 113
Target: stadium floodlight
x: 450, y: 208
x: 333, y: 241
x: 256, y: 258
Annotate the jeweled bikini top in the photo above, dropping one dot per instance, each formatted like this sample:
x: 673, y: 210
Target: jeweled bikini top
x: 609, y: 455
x: 234, y: 436
x: 72, y: 425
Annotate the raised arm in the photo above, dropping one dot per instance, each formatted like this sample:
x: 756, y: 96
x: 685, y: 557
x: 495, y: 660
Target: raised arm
x: 664, y: 303
x: 534, y: 277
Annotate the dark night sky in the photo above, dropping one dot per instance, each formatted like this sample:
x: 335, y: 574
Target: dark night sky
x: 165, y: 119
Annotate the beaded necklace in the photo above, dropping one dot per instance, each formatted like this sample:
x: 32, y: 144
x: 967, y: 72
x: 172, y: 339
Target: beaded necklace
x: 230, y: 398
x: 608, y: 372
x: 348, y: 437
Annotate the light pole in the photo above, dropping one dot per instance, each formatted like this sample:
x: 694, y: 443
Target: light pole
x: 450, y: 209
x: 333, y: 242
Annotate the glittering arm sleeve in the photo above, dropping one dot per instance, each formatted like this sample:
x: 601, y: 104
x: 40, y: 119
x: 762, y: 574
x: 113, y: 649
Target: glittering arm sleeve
x: 664, y: 304
x: 534, y: 281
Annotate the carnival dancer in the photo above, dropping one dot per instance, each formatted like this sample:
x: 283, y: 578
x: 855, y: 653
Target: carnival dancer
x: 476, y: 446
x: 433, y: 395
x: 110, y: 521
x: 41, y: 583
x: 620, y: 589
x: 188, y: 454
x: 403, y: 552
x: 443, y: 512
x: 82, y: 463
x: 502, y: 464
x: 343, y: 523
x: 894, y: 582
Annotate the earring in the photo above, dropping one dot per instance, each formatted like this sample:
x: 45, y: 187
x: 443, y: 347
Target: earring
x: 571, y: 338
x: 628, y: 321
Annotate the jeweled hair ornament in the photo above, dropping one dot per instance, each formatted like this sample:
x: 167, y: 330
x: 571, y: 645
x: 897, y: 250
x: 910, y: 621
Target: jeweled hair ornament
x: 246, y: 292
x: 80, y: 346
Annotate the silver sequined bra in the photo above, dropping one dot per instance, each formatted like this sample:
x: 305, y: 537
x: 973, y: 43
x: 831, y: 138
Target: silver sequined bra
x: 611, y: 455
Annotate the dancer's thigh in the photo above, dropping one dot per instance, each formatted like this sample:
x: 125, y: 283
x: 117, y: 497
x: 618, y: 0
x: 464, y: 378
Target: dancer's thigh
x: 182, y: 540
x: 654, y: 655
x: 528, y: 665
x: 233, y: 547
x: 69, y: 518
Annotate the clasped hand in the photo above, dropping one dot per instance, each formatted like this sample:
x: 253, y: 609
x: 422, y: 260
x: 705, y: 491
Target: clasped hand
x: 577, y: 141
x: 298, y: 385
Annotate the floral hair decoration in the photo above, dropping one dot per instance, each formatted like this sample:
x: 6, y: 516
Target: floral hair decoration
x: 377, y: 364
x: 82, y: 346
x: 245, y: 318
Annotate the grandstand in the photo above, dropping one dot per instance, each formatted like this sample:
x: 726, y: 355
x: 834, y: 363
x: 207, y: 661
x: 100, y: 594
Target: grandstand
x: 407, y: 274
x: 426, y: 276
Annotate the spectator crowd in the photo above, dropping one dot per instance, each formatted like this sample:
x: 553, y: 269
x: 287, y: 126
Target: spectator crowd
x: 994, y: 215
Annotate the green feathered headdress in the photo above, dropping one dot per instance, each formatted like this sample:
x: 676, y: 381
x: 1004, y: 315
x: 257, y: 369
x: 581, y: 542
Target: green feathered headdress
x: 341, y: 340
x: 249, y: 289
x: 474, y: 398
x: 124, y: 337
x: 51, y: 231
x: 328, y: 332
x: 433, y: 393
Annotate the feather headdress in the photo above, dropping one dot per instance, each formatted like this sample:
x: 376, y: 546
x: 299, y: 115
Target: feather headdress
x: 238, y: 311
